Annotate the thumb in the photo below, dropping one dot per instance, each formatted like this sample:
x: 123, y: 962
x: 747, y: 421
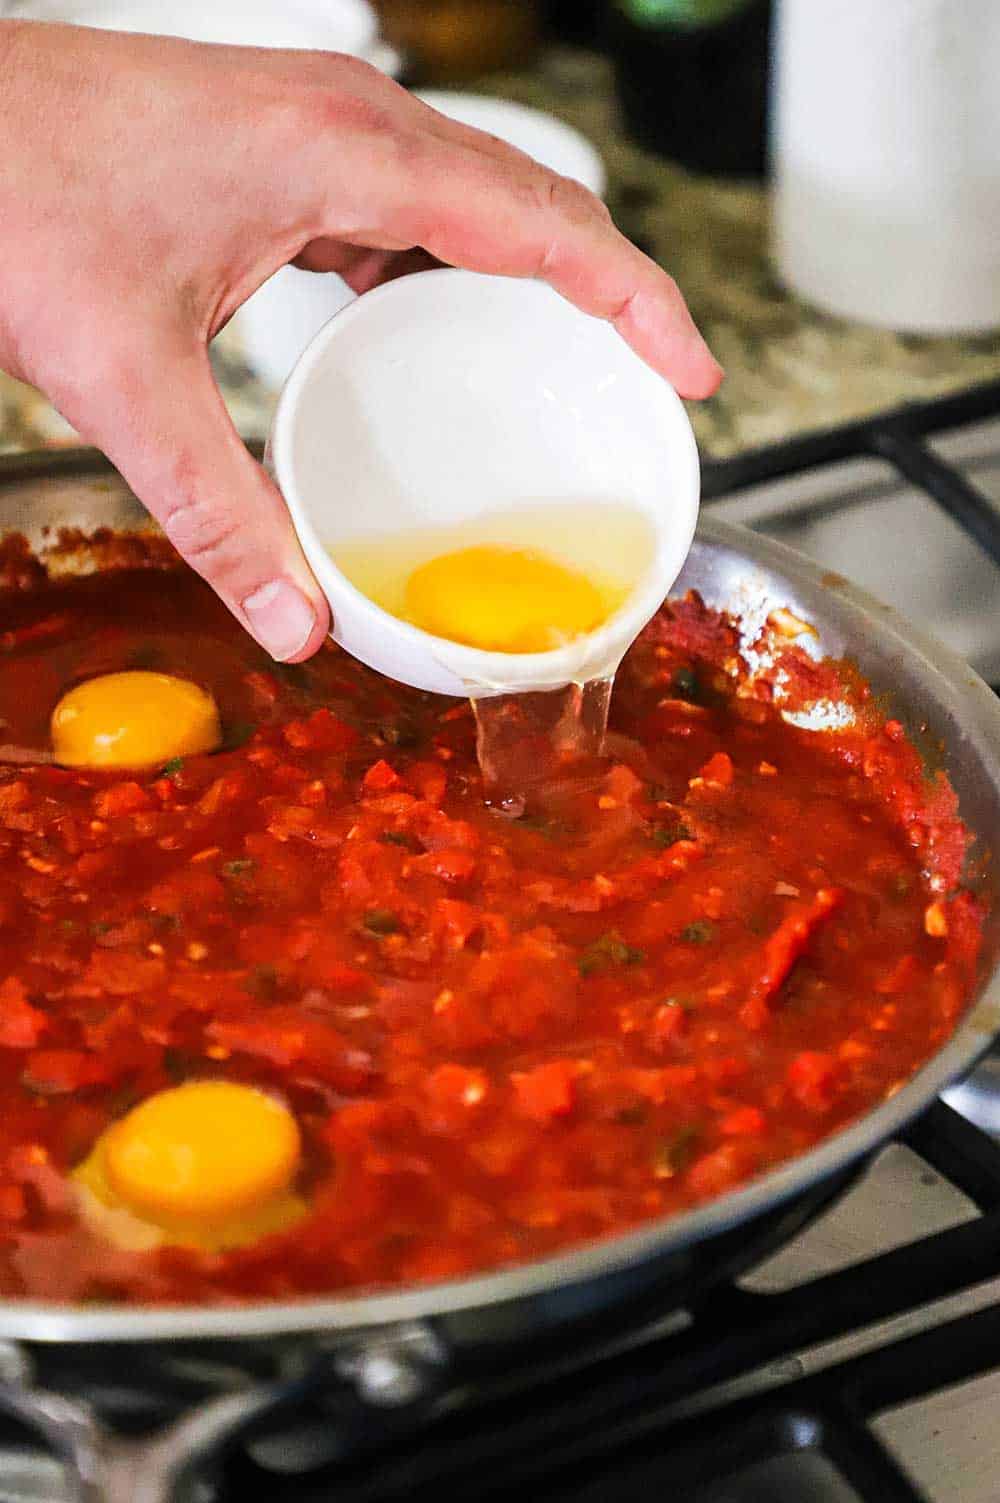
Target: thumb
x: 172, y: 439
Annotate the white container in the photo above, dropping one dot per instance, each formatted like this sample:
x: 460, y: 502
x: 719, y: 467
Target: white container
x: 886, y: 152
x: 446, y: 396
x: 282, y: 317
x: 542, y: 136
x: 337, y: 25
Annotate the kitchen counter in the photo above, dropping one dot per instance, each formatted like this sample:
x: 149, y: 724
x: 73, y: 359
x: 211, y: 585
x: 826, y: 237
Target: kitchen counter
x: 788, y: 367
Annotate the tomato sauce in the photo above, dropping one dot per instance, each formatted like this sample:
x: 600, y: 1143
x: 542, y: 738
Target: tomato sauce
x: 501, y: 1037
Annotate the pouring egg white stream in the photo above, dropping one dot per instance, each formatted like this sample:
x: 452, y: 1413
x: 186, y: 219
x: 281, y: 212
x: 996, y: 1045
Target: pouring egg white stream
x: 519, y: 586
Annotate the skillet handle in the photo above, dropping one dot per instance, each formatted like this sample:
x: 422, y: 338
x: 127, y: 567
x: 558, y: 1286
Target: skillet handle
x: 397, y: 1369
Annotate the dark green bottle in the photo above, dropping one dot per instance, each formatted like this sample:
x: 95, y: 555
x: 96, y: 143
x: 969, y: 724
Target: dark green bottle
x: 693, y: 79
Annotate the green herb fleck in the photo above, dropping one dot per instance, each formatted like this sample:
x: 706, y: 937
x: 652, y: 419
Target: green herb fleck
x: 172, y: 768
x: 685, y: 684
x: 539, y: 824
x: 175, y: 1065
x: 397, y: 837
x: 262, y: 981
x: 145, y: 656
x: 610, y: 950
x: 684, y: 1003
x: 239, y: 733
x: 400, y: 733
x: 701, y: 932
x: 295, y: 675
x: 381, y: 921
x: 240, y: 868
x: 99, y: 926
x: 166, y: 921
x: 68, y: 926
x: 674, y: 1152
x: 658, y: 794
x: 668, y: 835
x: 123, y: 1100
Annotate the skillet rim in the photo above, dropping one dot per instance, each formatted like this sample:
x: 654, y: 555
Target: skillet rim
x: 951, y: 686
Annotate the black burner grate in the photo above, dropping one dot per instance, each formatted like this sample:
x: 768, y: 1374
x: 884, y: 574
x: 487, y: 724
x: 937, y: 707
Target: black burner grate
x: 897, y: 437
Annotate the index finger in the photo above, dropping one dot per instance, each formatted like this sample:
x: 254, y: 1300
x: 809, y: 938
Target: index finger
x: 496, y: 210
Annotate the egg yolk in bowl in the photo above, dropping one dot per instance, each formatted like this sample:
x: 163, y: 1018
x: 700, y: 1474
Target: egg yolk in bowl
x: 507, y: 599
x: 207, y: 1165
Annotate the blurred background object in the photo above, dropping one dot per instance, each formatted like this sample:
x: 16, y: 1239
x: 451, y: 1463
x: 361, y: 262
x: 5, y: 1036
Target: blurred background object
x: 693, y: 79
x: 539, y: 134
x: 447, y: 40
x: 887, y: 201
x: 340, y: 25
x: 574, y: 20
x: 789, y: 366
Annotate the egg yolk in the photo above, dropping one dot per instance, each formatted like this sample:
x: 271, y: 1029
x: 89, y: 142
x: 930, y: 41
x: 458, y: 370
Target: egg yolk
x: 505, y: 599
x: 133, y: 720
x: 209, y: 1164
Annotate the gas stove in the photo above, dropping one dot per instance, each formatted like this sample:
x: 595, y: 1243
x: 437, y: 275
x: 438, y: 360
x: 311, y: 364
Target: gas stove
x: 861, y: 1364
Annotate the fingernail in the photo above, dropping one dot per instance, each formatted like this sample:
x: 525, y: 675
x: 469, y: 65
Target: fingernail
x: 281, y: 618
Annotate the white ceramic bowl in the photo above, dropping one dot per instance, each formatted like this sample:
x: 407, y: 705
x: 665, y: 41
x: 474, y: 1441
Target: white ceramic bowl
x: 549, y: 140
x: 445, y: 396
x: 337, y: 25
x: 279, y: 320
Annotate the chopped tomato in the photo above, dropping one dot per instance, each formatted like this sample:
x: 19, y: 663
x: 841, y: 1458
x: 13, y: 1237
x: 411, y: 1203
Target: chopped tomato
x: 744, y: 1122
x: 121, y: 798
x: 718, y: 771
x: 812, y: 1078
x: 500, y: 1033
x: 21, y: 1025
x: 322, y: 731
x: 380, y: 778
x: 548, y: 1091
x: 64, y: 1070
x: 787, y: 944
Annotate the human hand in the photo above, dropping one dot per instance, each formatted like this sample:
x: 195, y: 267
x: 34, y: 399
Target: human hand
x: 149, y: 186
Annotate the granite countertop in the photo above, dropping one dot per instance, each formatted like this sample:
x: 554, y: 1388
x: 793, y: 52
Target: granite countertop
x: 788, y: 367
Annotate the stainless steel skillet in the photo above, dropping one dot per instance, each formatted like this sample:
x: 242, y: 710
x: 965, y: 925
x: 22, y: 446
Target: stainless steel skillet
x: 413, y: 1335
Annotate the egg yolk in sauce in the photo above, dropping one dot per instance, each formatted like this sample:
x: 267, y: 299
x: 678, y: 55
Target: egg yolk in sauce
x: 133, y: 720
x: 207, y: 1165
x: 506, y: 599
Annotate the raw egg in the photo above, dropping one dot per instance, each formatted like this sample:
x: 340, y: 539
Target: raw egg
x: 133, y: 720
x: 517, y: 582
x: 210, y: 1165
x: 506, y: 599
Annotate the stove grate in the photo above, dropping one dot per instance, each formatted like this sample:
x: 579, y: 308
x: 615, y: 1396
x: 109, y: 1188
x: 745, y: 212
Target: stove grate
x: 896, y: 437
x: 719, y: 1412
